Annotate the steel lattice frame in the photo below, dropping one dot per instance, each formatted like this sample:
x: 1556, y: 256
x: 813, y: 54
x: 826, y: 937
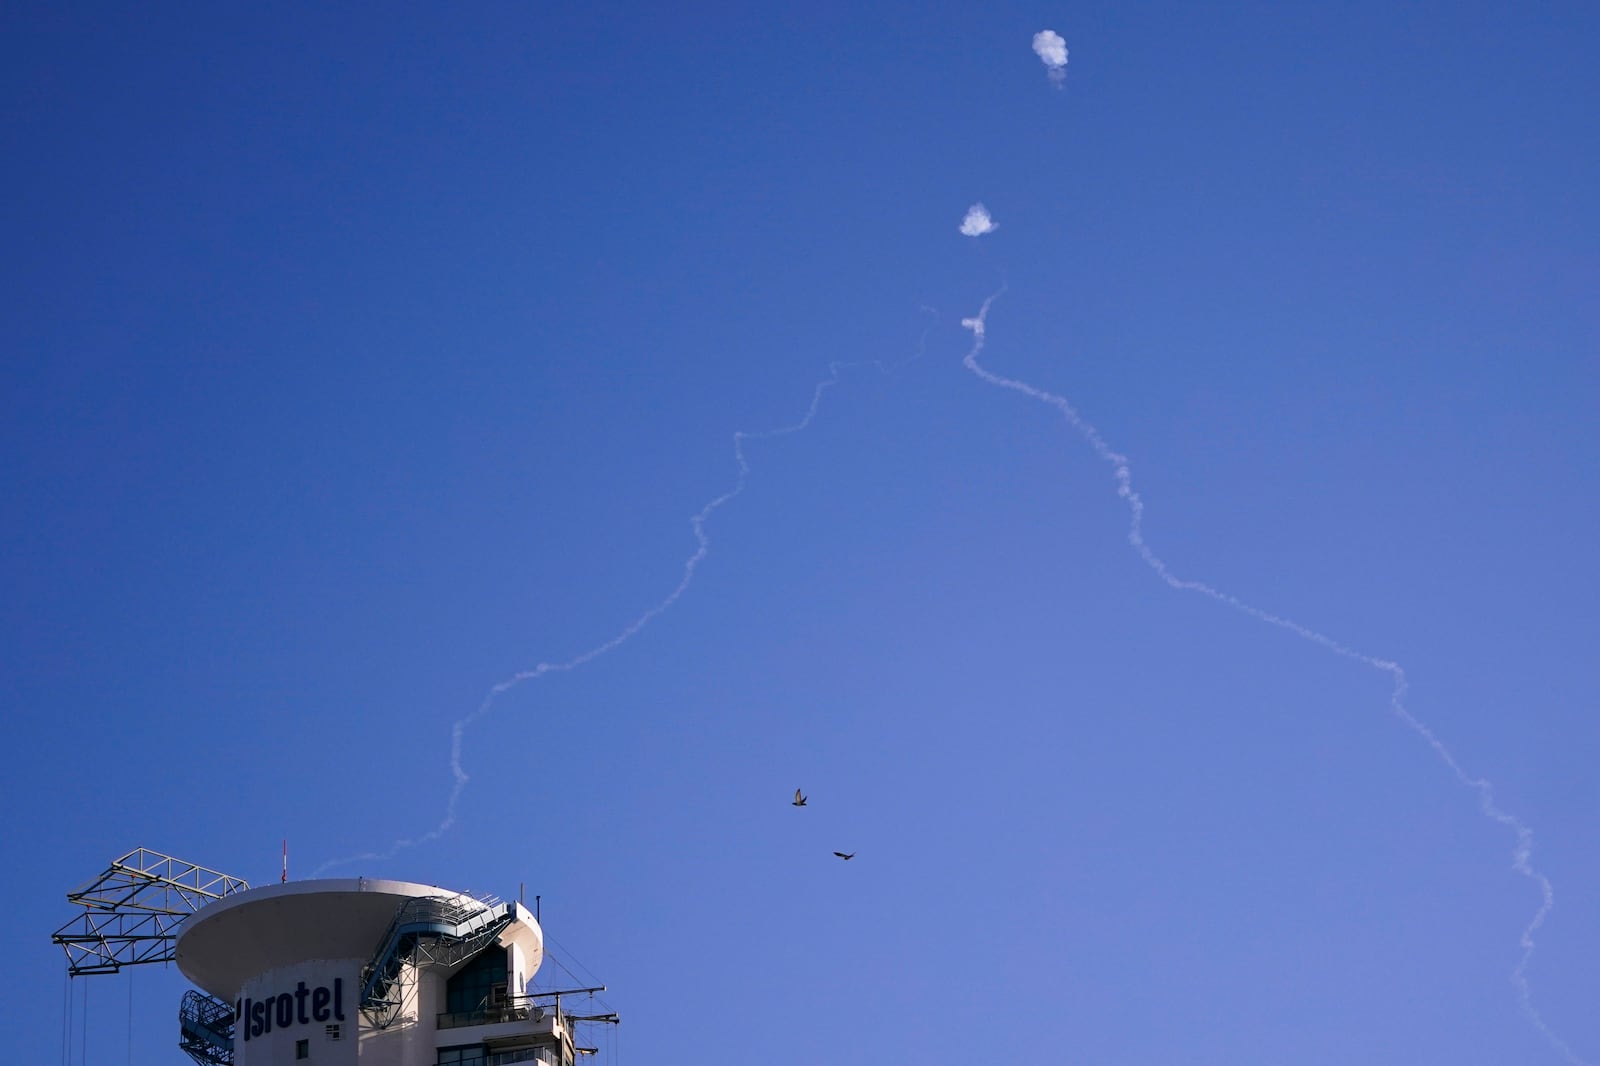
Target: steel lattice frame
x: 132, y: 911
x: 383, y: 978
x: 205, y: 1026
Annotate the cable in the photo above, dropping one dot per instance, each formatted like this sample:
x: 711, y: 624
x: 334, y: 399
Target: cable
x: 588, y: 974
x: 66, y: 1020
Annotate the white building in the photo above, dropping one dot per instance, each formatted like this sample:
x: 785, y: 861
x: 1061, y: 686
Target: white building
x: 382, y: 973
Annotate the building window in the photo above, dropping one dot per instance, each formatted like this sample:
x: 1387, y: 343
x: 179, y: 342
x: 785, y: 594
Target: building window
x: 466, y: 1055
x: 542, y: 1055
x: 302, y: 1049
x: 331, y: 1032
x: 472, y: 989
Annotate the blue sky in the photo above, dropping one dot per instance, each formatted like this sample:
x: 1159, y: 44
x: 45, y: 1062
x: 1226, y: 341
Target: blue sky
x: 356, y: 361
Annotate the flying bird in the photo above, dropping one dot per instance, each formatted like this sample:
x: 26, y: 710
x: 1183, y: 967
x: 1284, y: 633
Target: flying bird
x: 845, y: 857
x: 799, y: 799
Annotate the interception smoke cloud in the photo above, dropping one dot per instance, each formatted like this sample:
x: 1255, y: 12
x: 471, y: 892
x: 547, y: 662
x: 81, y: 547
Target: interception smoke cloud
x: 1521, y: 852
x: 978, y: 222
x: 1051, y: 49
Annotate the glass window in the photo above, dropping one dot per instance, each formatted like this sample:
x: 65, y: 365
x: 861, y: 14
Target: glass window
x: 469, y: 1055
x: 472, y: 989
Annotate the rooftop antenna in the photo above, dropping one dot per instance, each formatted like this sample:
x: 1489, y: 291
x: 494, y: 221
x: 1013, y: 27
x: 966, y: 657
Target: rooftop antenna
x: 285, y: 878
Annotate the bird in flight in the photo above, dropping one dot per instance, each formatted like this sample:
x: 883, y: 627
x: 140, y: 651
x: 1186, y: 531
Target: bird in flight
x: 799, y: 798
x: 845, y: 857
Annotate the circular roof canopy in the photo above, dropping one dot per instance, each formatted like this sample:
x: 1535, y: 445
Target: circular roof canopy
x: 241, y: 936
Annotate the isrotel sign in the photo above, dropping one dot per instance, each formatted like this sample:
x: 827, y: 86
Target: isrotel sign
x: 303, y: 1006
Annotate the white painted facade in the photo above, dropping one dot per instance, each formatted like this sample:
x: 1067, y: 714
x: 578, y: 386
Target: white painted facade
x: 292, y: 959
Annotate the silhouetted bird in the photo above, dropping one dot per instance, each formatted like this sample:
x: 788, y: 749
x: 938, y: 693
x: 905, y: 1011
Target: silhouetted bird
x: 845, y: 857
x: 799, y: 800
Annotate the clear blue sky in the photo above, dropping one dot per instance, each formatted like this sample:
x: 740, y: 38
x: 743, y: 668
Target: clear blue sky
x: 354, y: 361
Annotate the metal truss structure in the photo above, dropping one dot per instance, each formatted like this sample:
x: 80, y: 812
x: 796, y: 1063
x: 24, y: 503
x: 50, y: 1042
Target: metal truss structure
x: 436, y: 929
x: 205, y: 1029
x: 132, y: 911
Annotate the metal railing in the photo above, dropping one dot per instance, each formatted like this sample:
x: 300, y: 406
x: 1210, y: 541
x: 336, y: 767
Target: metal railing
x: 205, y: 1026
x: 444, y: 929
x: 533, y: 1006
x: 513, y: 1009
x: 544, y: 1053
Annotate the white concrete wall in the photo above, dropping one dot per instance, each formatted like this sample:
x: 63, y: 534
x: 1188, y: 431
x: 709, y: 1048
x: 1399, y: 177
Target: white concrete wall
x: 408, y: 1038
x: 524, y: 941
x: 308, y: 997
x: 430, y: 1004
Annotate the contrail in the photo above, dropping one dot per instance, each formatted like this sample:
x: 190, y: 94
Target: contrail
x: 1521, y: 854
x: 697, y: 524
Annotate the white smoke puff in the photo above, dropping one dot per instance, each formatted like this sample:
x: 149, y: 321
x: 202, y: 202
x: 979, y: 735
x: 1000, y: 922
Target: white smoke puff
x: 1051, y: 49
x: 978, y: 222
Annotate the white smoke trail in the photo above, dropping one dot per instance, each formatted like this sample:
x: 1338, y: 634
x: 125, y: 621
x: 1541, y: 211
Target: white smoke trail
x: 697, y: 524
x: 1521, y: 854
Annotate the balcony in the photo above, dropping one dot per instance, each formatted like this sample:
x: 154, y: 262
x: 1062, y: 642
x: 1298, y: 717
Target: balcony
x: 544, y: 1054
x: 512, y: 1009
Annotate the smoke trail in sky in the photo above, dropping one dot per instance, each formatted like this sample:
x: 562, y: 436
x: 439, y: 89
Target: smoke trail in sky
x: 697, y: 524
x: 1051, y: 49
x: 978, y: 222
x: 1522, y: 852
